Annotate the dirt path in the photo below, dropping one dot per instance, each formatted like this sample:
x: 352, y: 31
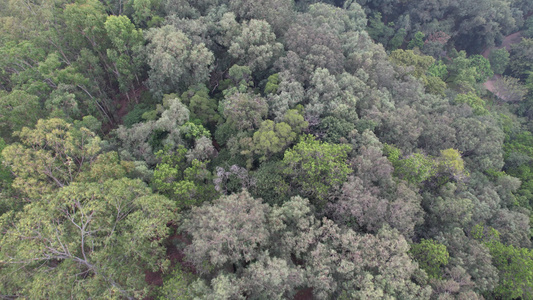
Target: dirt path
x: 507, y: 42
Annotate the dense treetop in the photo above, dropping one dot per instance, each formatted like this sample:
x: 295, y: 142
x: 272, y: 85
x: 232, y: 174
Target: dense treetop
x: 270, y: 149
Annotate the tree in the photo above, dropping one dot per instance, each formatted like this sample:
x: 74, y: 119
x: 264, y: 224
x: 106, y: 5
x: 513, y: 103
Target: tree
x: 509, y: 89
x: 270, y: 184
x: 202, y: 106
x: 277, y: 13
x: 248, y: 249
x: 480, y: 143
x: 272, y: 85
x: 89, y: 240
x: 175, y: 61
x: 528, y: 31
x: 499, y: 59
x: 17, y: 109
x: 232, y: 230
x: 415, y: 168
x: 335, y: 130
x: 51, y: 156
x: 514, y: 264
x: 431, y: 256
x: 483, y: 68
x: 244, y: 111
x: 521, y: 59
x: 317, y: 168
x: 473, y: 256
x: 513, y: 226
x: 333, y: 95
x: 177, y: 286
x: 450, y: 165
x: 272, y: 138
x: 438, y: 69
x: 142, y: 140
x: 126, y: 54
x: 146, y: 12
x: 417, y: 41
x: 462, y: 73
x: 180, y: 180
x: 85, y: 25
x: 472, y: 100
x: 313, y: 47
x: 421, y: 63
x: 372, y: 197
x: 255, y: 46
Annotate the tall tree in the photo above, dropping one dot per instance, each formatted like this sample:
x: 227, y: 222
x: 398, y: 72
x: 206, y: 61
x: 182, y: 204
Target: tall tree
x: 316, y: 168
x: 50, y: 156
x: 88, y: 240
x: 175, y: 61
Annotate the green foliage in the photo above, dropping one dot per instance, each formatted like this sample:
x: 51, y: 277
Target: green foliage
x: 385, y: 33
x: 317, y: 167
x: 194, y: 131
x: 185, y: 182
x: 528, y: 28
x: 244, y: 111
x: 176, y: 62
x: 397, y: 40
x: 103, y: 230
x: 17, y: 109
x: 438, y: 69
x: 521, y: 58
x: 143, y: 139
x: 50, y: 156
x: 335, y: 129
x: 462, y: 73
x: 256, y: 75
x: 509, y: 89
x: 450, y: 160
x: 417, y: 41
x: 272, y: 138
x: 270, y: 183
x: 136, y: 115
x: 126, y: 55
x: 255, y: 46
x: 272, y: 84
x: 421, y: 63
x: 471, y: 99
x: 515, y: 265
x: 6, y: 178
x: 240, y: 80
x: 176, y: 286
x: 243, y: 233
x: 146, y: 12
x: 85, y: 24
x: 393, y: 154
x: 202, y: 106
x: 431, y: 257
x: 483, y: 68
x: 241, y: 244
x: 519, y: 163
x: 499, y: 60
x: 435, y: 85
x: 415, y: 168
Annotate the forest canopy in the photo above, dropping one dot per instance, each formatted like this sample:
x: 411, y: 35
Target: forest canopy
x: 269, y: 149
